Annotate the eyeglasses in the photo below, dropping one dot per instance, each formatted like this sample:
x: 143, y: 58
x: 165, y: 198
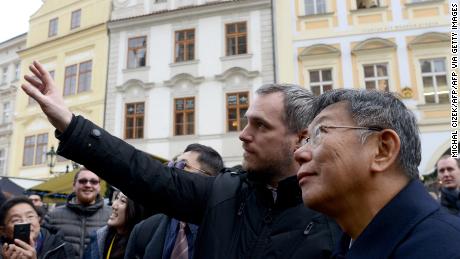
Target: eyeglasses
x: 315, y: 135
x: 183, y: 165
x: 84, y: 181
x: 21, y: 220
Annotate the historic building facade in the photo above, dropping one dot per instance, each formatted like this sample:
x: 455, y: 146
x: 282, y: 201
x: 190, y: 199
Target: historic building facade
x: 184, y: 71
x: 402, y: 46
x: 10, y: 66
x: 70, y: 39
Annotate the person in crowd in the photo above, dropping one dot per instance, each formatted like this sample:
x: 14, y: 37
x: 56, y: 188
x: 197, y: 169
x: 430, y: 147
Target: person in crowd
x: 255, y: 215
x: 359, y: 165
x: 42, y: 242
x: 111, y: 240
x: 83, y: 213
x: 161, y: 236
x: 448, y: 169
x: 37, y: 200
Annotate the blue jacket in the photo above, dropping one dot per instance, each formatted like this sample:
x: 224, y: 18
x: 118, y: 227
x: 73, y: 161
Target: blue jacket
x: 95, y: 249
x: 411, y: 225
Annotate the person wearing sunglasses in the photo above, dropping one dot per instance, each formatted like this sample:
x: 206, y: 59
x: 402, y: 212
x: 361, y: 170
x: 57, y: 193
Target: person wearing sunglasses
x: 255, y: 215
x: 83, y: 213
x: 159, y: 236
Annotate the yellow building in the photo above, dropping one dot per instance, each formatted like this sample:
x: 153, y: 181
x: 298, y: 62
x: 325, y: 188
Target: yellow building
x: 70, y: 38
x: 401, y: 46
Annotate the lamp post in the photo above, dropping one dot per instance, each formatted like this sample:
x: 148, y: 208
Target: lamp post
x: 51, y: 159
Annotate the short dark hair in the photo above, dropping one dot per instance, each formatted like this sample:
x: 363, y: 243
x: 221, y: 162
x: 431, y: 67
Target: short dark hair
x: 209, y: 159
x: 78, y: 173
x: 380, y: 110
x: 13, y: 202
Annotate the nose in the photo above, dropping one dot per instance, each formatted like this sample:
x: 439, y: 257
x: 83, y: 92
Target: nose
x: 244, y: 135
x: 303, y: 155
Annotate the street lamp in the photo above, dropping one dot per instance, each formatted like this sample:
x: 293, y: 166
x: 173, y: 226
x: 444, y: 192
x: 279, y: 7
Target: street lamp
x: 51, y: 159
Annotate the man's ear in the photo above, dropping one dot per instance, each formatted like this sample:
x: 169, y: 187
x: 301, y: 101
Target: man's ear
x: 387, y: 150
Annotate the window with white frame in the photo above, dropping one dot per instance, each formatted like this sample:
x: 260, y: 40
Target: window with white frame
x: 376, y: 77
x: 35, y: 149
x: 2, y: 161
x: 53, y: 27
x: 137, y: 52
x: 320, y: 80
x: 434, y: 80
x: 315, y: 6
x: 75, y: 19
x: 6, y: 116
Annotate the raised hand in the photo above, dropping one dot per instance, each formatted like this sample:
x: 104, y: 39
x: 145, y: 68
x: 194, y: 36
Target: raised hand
x: 42, y: 89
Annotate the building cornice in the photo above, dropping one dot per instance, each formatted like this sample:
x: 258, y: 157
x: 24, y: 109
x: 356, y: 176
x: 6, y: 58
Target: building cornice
x: 16, y: 40
x: 65, y: 39
x: 233, y: 6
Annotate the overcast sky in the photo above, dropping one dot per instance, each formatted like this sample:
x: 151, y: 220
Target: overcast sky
x: 14, y: 17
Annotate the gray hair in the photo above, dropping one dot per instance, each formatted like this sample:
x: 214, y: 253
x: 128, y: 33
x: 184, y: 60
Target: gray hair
x: 297, y: 104
x: 380, y: 110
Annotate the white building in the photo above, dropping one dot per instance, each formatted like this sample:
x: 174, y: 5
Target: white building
x: 401, y: 46
x: 9, y: 83
x: 184, y: 71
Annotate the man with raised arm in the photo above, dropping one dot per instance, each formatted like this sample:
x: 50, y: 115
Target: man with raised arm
x: 255, y: 215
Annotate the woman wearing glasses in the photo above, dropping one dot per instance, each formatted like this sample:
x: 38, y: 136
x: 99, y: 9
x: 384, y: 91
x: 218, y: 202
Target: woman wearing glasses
x: 41, y: 243
x: 110, y: 241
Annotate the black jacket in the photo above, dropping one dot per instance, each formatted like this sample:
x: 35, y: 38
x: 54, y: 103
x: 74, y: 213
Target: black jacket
x: 148, y: 237
x: 238, y: 217
x: 54, y: 246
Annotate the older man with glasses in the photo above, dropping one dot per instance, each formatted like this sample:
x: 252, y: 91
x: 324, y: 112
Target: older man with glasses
x: 161, y: 236
x: 359, y: 165
x: 83, y: 213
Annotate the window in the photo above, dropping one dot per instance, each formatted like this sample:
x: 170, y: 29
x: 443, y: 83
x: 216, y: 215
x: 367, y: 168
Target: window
x: 75, y: 20
x: 6, y: 116
x: 320, y: 81
x: 35, y: 149
x: 137, y: 52
x: 2, y: 161
x: 184, y: 116
x: 84, y: 70
x: 53, y: 27
x: 134, y: 120
x: 17, y: 71
x: 84, y: 76
x: 185, y: 45
x: 364, y: 4
x: 434, y: 78
x: 376, y: 77
x: 4, y: 75
x: 237, y: 105
x: 236, y: 38
x: 315, y: 7
x: 70, y: 80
